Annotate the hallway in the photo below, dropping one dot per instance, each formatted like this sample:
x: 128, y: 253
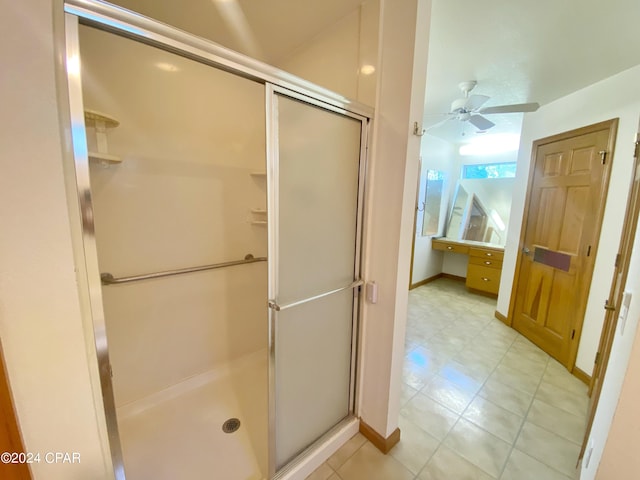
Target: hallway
x: 479, y: 401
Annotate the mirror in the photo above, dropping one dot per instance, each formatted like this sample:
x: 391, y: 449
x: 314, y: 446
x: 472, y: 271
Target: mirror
x: 430, y: 190
x: 480, y: 210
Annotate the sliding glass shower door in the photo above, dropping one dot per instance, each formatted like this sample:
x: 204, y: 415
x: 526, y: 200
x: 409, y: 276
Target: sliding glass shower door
x: 316, y: 188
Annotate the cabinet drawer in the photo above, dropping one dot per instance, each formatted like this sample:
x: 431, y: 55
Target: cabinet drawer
x: 486, y: 253
x: 449, y: 247
x: 485, y: 262
x: 483, y: 278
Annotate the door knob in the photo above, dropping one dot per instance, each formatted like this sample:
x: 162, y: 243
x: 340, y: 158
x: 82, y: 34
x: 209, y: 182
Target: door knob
x: 526, y: 251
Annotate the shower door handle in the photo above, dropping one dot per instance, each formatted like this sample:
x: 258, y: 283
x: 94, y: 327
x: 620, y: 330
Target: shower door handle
x: 273, y: 305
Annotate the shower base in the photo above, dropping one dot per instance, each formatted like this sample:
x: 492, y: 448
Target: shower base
x: 178, y: 432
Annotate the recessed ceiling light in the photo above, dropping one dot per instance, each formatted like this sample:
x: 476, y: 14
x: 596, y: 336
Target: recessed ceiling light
x: 367, y: 69
x: 167, y: 67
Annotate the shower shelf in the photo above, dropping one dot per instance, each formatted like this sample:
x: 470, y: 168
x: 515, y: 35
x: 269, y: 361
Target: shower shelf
x: 104, y: 157
x: 259, y: 222
x: 258, y: 210
x: 101, y: 122
x: 258, y: 174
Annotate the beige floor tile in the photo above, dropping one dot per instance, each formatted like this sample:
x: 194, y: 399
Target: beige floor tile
x: 563, y: 379
x: 448, y: 465
x: 563, y: 399
x: 416, y: 376
x: 521, y: 466
x: 516, y: 379
x: 323, y: 472
x: 479, y: 447
x: 531, y: 366
x: 526, y: 353
x: 507, y: 397
x: 368, y: 463
x: 494, y: 419
x: 488, y: 340
x: 335, y: 476
x: 406, y: 394
x: 477, y: 356
x: 429, y: 415
x: 463, y: 376
x: 415, y: 447
x: 548, y: 448
x: 485, y: 351
x: 336, y: 460
x: 557, y: 421
x: 448, y: 394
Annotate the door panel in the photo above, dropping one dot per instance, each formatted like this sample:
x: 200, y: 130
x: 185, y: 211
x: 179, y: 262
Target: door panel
x: 313, y: 356
x: 315, y: 212
x: 562, y: 225
x: 10, y: 440
x: 318, y: 166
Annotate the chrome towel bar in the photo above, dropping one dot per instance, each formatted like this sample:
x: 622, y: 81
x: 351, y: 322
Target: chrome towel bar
x: 108, y: 279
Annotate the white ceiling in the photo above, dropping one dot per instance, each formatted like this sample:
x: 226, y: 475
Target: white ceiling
x: 268, y: 30
x: 524, y: 51
x: 518, y: 50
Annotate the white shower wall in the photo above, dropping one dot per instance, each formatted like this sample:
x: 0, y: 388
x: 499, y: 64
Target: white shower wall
x: 190, y: 137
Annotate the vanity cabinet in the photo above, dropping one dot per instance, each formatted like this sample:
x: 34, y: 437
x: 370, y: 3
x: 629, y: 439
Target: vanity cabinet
x: 484, y: 269
x: 484, y: 265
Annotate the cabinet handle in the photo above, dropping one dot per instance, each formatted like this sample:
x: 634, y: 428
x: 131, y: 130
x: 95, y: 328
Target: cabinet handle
x: 489, y: 254
x: 449, y: 248
x: 485, y: 279
x: 487, y: 262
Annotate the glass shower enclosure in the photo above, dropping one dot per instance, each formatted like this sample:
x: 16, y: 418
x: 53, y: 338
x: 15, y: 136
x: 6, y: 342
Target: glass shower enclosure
x: 221, y: 203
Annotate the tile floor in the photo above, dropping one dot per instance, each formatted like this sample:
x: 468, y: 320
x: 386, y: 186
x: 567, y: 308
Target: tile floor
x: 479, y: 401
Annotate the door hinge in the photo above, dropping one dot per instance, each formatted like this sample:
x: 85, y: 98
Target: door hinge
x: 603, y: 156
x: 589, y: 250
x: 573, y: 333
x: 618, y: 259
x: 636, y: 151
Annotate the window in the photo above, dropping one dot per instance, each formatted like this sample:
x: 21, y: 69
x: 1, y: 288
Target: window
x: 489, y: 170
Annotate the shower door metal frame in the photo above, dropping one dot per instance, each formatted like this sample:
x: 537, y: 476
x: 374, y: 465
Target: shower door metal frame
x: 122, y: 22
x: 273, y: 91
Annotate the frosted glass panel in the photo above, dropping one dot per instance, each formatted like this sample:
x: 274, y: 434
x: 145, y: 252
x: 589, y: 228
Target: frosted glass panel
x: 317, y: 201
x: 313, y: 358
x: 319, y: 154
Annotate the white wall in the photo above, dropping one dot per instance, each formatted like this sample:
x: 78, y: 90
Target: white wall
x: 189, y: 139
x: 334, y: 58
x: 390, y: 210
x: 616, y: 96
x: 50, y: 362
x: 435, y: 154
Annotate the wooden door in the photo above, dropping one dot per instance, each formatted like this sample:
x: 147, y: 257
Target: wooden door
x: 10, y: 440
x: 614, y: 301
x: 561, y: 227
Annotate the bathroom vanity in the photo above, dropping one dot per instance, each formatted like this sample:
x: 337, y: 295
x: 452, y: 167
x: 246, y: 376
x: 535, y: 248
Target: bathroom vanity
x: 484, y: 265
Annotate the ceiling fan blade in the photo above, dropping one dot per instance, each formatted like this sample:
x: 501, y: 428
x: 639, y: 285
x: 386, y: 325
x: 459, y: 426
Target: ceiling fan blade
x: 475, y: 101
x: 515, y: 108
x: 480, y: 122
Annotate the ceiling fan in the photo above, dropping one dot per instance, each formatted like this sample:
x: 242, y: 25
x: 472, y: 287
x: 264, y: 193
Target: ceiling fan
x: 469, y: 108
